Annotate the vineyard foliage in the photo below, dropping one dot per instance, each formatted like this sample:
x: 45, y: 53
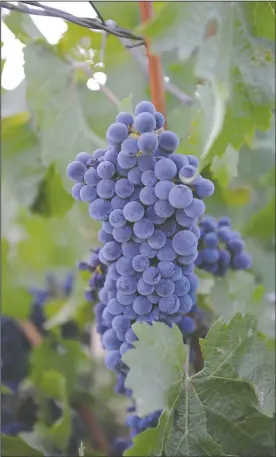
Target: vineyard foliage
x: 230, y: 126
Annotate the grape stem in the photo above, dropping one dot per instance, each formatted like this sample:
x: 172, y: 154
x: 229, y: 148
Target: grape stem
x: 96, y: 433
x: 154, y: 64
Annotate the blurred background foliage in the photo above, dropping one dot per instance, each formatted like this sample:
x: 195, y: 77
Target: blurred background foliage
x: 53, y: 114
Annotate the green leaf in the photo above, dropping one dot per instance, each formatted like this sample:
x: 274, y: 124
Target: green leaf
x: 225, y: 168
x: 54, y: 102
x: 22, y: 26
x: 262, y: 224
x: 159, y: 347
x: 22, y: 168
x: 262, y: 18
x: 217, y: 411
x: 15, y: 446
x: 65, y: 363
x: 54, y: 385
x: 14, y: 102
x: 52, y: 198
x: 16, y: 300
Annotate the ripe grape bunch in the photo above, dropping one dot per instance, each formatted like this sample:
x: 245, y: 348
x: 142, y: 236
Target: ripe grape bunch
x: 136, y: 188
x: 220, y: 247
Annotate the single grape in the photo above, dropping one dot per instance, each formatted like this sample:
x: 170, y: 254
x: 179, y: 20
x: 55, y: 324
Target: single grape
x: 148, y: 178
x: 99, y: 153
x: 205, y: 188
x: 180, y: 160
x: 129, y: 311
x: 127, y: 285
x: 242, y: 261
x: 105, y: 170
x: 143, y: 229
x: 196, y: 208
x: 104, y: 237
x: 122, y: 234
x: 163, y: 209
x: 184, y: 242
x: 187, y: 324
x: 224, y: 257
x: 130, y: 146
x: 125, y: 300
x: 76, y: 170
x: 116, y: 133
x: 193, y: 160
x: 236, y: 245
x: 117, y: 219
x: 125, y: 161
x: 111, y: 155
x: 182, y: 286
x: 169, y: 305
x: 134, y: 176
x: 106, y: 188
x: 133, y: 211
x: 224, y: 221
x: 152, y: 216
x: 91, y: 177
x: 148, y: 143
x: 120, y: 323
x: 144, y: 288
x: 185, y: 304
x: 118, y: 203
x: 180, y: 196
x: 189, y: 173
x: 83, y: 157
x: 112, y: 251
x: 167, y: 253
x: 125, y: 118
x: 162, y: 189
x: 168, y: 227
x: 168, y: 140
x: 144, y: 122
x: 183, y: 219
x: 177, y: 274
x: 75, y: 192
x: 144, y: 107
x: 146, y: 162
x: 112, y: 359
x: 125, y: 347
x: 142, y: 305
x: 147, y: 195
x: 167, y: 269
x: 114, y: 307
x: 130, y: 249
x: 211, y: 240
x: 160, y: 120
x: 165, y: 287
x: 130, y: 336
x: 140, y: 263
x: 124, y: 188
x: 165, y: 169
x: 152, y: 276
x: 147, y: 251
x: 157, y: 240
x: 100, y: 209
x: 110, y: 340
x: 124, y: 266
x: 108, y: 228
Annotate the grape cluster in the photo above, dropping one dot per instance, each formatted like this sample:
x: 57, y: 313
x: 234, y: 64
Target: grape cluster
x: 220, y: 247
x: 149, y: 200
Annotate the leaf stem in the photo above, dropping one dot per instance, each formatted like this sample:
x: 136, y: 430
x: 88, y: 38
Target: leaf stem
x: 154, y: 64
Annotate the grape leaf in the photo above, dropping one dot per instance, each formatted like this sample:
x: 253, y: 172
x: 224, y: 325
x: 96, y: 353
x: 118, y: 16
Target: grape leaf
x: 16, y: 300
x: 262, y: 223
x: 65, y: 363
x: 56, y: 108
x: 170, y: 345
x: 14, y: 446
x: 217, y: 411
x: 22, y: 168
x: 22, y: 26
x: 225, y: 168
